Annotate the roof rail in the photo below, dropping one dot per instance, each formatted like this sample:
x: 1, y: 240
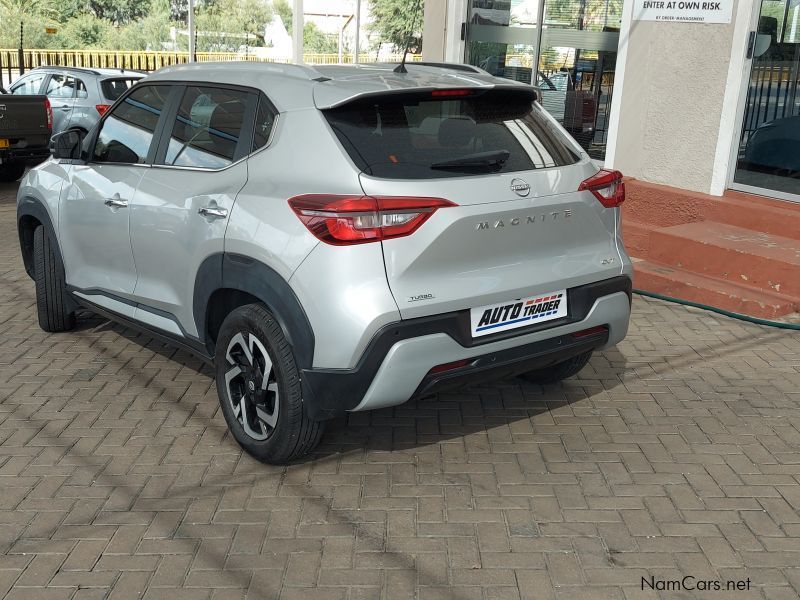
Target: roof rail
x: 72, y: 69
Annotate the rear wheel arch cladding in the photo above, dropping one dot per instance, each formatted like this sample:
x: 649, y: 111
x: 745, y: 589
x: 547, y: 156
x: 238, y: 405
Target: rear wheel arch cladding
x: 244, y: 274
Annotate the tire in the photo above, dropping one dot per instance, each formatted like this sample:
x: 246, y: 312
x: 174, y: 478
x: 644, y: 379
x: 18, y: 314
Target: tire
x: 11, y: 171
x: 265, y: 414
x: 52, y: 303
x: 559, y: 371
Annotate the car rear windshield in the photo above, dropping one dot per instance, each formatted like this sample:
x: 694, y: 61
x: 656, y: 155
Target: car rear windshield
x: 432, y: 135
x: 114, y: 88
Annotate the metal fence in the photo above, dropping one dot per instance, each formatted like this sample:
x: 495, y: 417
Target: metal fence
x: 151, y: 61
x: 772, y: 94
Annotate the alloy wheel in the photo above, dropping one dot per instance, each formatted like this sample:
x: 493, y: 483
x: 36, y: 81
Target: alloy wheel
x: 251, y: 386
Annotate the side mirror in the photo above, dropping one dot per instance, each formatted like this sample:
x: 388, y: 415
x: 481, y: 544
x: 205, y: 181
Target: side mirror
x: 66, y: 145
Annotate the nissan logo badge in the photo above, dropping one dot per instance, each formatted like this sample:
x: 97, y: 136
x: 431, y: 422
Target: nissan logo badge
x: 520, y: 187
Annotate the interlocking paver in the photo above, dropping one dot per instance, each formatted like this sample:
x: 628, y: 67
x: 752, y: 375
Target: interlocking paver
x: 674, y: 454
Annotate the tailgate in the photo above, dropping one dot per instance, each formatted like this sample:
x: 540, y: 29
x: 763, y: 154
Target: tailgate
x: 23, y: 116
x: 496, y: 246
x: 519, y: 229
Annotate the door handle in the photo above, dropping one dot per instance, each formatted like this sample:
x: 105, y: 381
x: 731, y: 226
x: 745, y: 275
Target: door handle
x: 66, y: 108
x: 751, y: 44
x: 116, y: 202
x: 213, y: 211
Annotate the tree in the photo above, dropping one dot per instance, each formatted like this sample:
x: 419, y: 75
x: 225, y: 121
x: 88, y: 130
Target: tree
x: 284, y: 11
x: 119, y: 12
x: 228, y: 24
x: 150, y: 33
x: 84, y: 31
x: 35, y: 15
x: 394, y: 20
x: 316, y: 41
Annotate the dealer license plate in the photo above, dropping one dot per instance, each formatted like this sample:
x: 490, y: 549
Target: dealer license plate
x: 5, y: 143
x: 518, y: 313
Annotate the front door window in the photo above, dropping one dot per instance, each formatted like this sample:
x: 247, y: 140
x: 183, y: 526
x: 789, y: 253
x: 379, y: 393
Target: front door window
x: 126, y: 135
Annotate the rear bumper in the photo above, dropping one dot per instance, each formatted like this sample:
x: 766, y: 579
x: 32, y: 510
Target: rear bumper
x: 396, y: 364
x: 12, y: 154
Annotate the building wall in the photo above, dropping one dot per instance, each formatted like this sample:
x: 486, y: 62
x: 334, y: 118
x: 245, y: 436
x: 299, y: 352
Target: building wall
x: 676, y: 121
x: 675, y: 77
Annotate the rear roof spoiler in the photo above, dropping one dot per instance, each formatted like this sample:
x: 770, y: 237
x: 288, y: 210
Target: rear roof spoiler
x: 511, y: 87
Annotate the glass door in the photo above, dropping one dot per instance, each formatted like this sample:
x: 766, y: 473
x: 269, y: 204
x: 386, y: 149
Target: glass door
x: 575, y: 56
x: 502, y: 37
x: 768, y: 157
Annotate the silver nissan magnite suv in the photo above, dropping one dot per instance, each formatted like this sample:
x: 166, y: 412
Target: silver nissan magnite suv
x: 332, y: 238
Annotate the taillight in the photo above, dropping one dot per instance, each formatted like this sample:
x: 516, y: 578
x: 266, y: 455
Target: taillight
x: 341, y: 220
x: 49, y: 110
x: 102, y: 108
x: 607, y: 186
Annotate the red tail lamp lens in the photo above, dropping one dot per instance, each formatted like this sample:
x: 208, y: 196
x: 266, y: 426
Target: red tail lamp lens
x: 343, y: 220
x: 607, y: 187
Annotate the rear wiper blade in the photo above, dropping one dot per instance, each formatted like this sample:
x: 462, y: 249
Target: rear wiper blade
x: 490, y: 161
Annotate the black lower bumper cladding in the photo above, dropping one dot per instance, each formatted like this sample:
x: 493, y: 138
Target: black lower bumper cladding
x: 512, y: 362
x: 330, y: 392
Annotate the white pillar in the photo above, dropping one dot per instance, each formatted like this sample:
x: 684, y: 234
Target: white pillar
x: 357, y: 46
x: 454, y: 46
x: 190, y: 23
x: 297, y: 31
x: 434, y: 29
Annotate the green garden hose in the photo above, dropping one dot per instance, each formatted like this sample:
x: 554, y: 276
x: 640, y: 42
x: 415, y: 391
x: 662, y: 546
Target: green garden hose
x: 721, y: 311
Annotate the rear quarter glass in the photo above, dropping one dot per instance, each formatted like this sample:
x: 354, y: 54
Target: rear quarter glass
x: 410, y: 136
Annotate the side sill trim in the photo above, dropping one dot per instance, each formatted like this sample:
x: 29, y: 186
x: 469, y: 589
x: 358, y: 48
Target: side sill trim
x: 188, y: 344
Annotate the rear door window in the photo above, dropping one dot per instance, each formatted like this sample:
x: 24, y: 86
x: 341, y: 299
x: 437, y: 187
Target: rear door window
x: 207, y: 128
x: 429, y: 135
x: 80, y: 89
x: 60, y: 86
x: 114, y: 88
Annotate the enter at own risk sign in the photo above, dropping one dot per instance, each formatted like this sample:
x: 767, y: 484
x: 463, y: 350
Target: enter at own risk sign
x: 687, y: 11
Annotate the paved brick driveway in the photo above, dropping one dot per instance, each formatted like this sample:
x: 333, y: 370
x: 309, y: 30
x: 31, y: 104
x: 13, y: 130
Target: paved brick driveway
x: 676, y: 454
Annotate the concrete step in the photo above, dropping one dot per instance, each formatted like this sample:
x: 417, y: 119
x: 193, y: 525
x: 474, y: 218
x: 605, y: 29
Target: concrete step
x: 636, y: 237
x: 755, y: 213
x: 761, y: 261
x: 678, y: 283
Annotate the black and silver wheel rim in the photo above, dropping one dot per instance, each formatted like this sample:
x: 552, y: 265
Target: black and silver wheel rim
x: 251, y: 386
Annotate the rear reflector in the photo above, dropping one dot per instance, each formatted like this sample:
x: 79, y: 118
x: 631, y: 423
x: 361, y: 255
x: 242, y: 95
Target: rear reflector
x: 102, y: 108
x: 591, y: 331
x: 451, y: 366
x: 607, y: 186
x: 342, y: 220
